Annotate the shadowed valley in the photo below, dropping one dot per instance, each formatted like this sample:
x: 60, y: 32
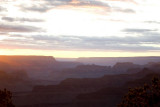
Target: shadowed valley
x: 42, y: 81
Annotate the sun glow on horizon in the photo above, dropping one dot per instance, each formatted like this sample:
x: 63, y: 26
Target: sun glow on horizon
x: 76, y: 54
x: 79, y: 28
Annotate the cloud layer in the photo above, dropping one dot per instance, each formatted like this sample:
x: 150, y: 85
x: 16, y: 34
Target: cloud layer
x: 43, y: 42
x: 18, y: 28
x: 103, y: 25
x: 11, y: 19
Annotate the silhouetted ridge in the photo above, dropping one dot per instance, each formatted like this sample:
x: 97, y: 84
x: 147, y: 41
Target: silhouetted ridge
x: 113, y: 60
x: 122, y: 67
x: 14, y: 59
x: 37, y: 67
x: 95, y: 83
x: 82, y: 71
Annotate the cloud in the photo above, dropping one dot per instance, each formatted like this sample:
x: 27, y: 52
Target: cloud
x: 148, y: 36
x: 88, y: 3
x: 148, y: 39
x: 130, y: 1
x: 152, y: 22
x: 124, y: 10
x: 134, y: 30
x: 10, y: 19
x: 50, y: 42
x: 46, y: 5
x: 36, y: 8
x: 97, y: 6
x: 19, y: 28
x: 77, y: 3
x: 2, y: 9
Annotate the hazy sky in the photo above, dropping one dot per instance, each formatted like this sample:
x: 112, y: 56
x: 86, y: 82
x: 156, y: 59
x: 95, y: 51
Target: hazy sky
x: 80, y: 28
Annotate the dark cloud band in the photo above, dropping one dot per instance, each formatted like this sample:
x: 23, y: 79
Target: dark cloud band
x: 10, y: 19
x: 19, y: 28
x: 142, y: 43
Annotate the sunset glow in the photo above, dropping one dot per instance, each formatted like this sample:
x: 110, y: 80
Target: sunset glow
x: 80, y: 28
x: 75, y: 54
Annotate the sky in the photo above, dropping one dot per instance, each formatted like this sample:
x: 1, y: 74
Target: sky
x: 80, y: 28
